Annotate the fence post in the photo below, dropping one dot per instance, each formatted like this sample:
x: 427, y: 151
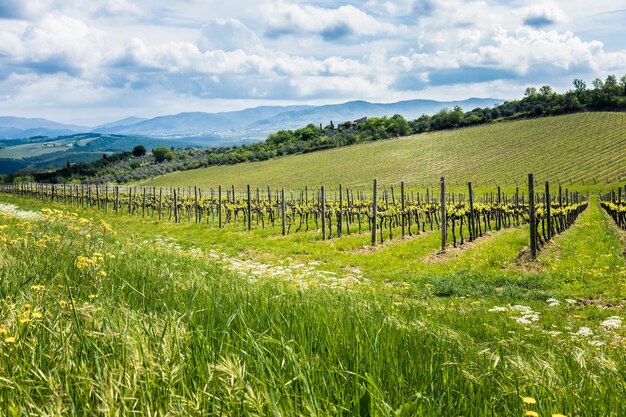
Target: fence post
x: 374, y: 213
x: 444, y: 220
x: 532, y: 219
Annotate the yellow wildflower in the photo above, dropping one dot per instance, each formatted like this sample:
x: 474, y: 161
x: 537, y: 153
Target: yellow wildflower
x: 25, y: 320
x: 63, y: 303
x: 105, y: 226
x: 529, y: 400
x: 558, y: 415
x: 3, y: 331
x: 531, y: 413
x: 92, y: 296
x: 27, y: 306
x: 37, y: 287
x: 102, y: 273
x: 9, y: 339
x: 36, y: 315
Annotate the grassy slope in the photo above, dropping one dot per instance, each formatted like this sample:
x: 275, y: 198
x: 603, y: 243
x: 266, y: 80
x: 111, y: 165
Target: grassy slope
x: 576, y: 148
x: 168, y: 332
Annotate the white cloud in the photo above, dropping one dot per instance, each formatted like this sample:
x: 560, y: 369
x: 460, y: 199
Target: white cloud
x: 331, y: 24
x: 228, y: 35
x: 94, y: 53
x: 118, y: 8
x: 390, y: 8
x: 56, y: 43
x: 526, y: 47
x: 542, y: 14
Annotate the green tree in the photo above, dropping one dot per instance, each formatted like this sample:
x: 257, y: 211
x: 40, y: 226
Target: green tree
x: 162, y: 154
x: 139, y: 150
x: 579, y: 86
x: 398, y: 126
x: 546, y: 91
x: 530, y: 92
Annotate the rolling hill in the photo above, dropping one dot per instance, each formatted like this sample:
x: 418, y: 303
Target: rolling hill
x: 581, y: 149
x: 256, y: 123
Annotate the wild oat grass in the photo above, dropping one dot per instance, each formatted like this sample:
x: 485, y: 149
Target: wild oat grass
x: 93, y: 321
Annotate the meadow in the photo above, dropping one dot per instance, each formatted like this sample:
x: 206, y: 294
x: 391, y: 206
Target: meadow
x: 140, y: 316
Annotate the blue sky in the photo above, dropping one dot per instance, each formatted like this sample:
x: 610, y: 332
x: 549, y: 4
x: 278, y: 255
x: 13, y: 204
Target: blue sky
x: 95, y: 61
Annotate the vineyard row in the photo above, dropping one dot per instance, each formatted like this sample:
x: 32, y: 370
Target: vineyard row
x: 615, y: 204
x: 459, y: 217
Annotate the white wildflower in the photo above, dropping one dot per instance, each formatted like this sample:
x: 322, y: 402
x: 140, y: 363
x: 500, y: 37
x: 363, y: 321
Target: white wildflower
x: 527, y: 318
x: 553, y: 302
x: 497, y: 308
x: 613, y: 322
x: 583, y: 331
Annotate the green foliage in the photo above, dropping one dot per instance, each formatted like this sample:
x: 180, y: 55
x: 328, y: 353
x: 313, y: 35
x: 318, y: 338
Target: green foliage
x: 162, y: 154
x: 23, y: 179
x: 139, y: 150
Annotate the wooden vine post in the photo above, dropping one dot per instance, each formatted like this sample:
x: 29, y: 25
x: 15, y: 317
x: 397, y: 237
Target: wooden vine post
x: 340, y: 212
x: 219, y: 206
x: 323, y: 206
x: 548, y: 205
x: 374, y: 213
x: 283, y: 213
x: 403, y: 205
x: 470, y: 225
x: 499, y: 210
x: 249, y: 208
x: 444, y: 223
x: 532, y: 219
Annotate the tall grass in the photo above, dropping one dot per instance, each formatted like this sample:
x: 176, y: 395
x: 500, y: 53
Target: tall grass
x: 133, y: 330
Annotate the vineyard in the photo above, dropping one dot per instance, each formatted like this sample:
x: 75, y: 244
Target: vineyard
x: 239, y: 302
x: 580, y: 150
x: 615, y: 206
x: 459, y: 217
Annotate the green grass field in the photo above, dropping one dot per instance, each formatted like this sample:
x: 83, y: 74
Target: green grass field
x: 156, y: 318
x: 585, y: 149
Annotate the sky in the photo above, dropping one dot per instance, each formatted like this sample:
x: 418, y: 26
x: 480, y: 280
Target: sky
x: 91, y: 62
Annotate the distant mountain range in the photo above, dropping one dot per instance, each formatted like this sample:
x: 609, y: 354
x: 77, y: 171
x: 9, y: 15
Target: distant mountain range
x: 20, y: 127
x: 236, y: 126
x: 197, y: 123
